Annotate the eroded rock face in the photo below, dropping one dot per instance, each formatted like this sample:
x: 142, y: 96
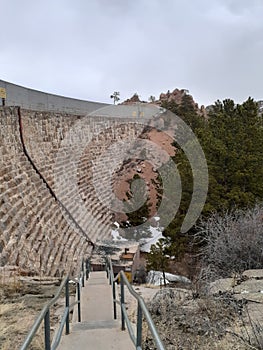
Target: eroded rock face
x: 256, y: 274
x: 134, y: 99
x: 249, y: 282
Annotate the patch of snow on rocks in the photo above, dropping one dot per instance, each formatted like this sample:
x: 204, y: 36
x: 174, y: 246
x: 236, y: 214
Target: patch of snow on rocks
x: 156, y: 278
x: 156, y: 235
x: 116, y: 235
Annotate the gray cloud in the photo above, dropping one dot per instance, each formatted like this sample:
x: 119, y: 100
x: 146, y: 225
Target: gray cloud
x: 88, y: 49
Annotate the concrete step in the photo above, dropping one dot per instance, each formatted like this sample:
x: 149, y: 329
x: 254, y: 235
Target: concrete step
x: 97, y: 339
x: 83, y: 326
x: 98, y: 330
x: 96, y: 298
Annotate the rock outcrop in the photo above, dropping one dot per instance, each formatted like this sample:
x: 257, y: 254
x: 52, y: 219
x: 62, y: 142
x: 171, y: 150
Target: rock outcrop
x: 229, y: 316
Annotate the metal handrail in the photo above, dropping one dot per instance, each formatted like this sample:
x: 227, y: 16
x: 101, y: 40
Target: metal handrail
x: 45, y: 312
x: 141, y: 310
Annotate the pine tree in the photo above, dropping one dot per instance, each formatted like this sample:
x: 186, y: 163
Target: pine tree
x: 234, y: 155
x: 157, y: 259
x: 231, y: 139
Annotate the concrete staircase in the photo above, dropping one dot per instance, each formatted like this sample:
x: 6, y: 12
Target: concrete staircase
x: 98, y: 330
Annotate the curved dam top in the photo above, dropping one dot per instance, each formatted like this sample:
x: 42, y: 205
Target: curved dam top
x: 16, y: 95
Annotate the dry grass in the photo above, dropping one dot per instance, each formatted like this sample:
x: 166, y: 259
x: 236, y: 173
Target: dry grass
x: 20, y: 303
x: 16, y: 320
x: 188, y: 323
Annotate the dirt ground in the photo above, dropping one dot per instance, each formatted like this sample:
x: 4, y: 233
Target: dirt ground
x: 21, y: 300
x: 225, y: 319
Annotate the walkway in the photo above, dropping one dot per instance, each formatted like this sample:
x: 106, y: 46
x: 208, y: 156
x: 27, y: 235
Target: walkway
x: 98, y: 330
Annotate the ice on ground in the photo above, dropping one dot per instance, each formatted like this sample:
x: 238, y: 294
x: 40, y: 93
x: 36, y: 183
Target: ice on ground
x: 116, y: 224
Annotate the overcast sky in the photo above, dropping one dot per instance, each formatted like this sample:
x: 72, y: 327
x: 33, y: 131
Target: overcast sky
x: 89, y: 48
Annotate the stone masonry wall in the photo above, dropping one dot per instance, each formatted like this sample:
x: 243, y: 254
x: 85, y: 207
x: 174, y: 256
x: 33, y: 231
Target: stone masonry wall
x: 35, y: 233
x: 75, y: 155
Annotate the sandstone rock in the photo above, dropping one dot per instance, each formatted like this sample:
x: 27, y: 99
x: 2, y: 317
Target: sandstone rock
x: 250, y: 286
x: 221, y: 286
x: 257, y: 274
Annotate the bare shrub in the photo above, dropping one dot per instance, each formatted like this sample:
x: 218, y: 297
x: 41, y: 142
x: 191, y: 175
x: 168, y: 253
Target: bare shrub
x: 232, y: 243
x: 186, y: 323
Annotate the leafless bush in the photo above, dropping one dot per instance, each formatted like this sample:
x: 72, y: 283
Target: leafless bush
x: 184, y: 322
x: 250, y: 332
x: 233, y: 242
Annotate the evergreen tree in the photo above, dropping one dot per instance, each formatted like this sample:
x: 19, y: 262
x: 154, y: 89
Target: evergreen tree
x: 137, y: 216
x: 231, y: 139
x: 187, y: 112
x: 234, y: 154
x: 157, y: 259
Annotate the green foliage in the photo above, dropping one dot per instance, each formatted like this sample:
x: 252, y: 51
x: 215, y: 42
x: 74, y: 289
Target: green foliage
x: 157, y: 259
x: 231, y: 139
x: 234, y: 151
x: 136, y: 216
x: 232, y: 142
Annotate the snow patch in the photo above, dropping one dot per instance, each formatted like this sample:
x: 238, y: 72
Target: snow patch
x: 156, y: 278
x: 156, y: 236
x: 116, y: 236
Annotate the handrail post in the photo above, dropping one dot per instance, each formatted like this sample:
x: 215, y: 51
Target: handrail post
x: 122, y: 304
x: 83, y: 273
x: 114, y: 300
x: 87, y: 269
x: 109, y: 275
x: 107, y: 269
x: 139, y: 326
x: 67, y: 304
x: 79, y: 310
x: 47, y: 330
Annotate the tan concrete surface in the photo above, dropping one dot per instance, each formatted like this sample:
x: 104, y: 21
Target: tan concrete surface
x: 98, y: 330
x: 97, y: 339
x: 96, y: 298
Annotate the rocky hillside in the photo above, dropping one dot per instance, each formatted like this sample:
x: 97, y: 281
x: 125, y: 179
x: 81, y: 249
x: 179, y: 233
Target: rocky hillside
x: 229, y: 316
x: 176, y: 95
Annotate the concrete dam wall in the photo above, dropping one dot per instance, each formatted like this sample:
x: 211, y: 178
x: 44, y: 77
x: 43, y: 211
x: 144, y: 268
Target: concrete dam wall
x: 41, y: 101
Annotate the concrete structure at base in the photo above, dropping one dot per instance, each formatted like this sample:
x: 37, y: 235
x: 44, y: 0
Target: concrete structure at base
x: 124, y: 255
